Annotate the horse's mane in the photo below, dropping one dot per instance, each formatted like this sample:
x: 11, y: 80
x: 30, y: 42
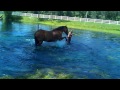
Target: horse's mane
x: 59, y: 28
x: 56, y: 29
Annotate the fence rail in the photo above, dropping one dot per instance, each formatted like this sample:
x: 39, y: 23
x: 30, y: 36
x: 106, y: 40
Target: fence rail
x: 68, y: 18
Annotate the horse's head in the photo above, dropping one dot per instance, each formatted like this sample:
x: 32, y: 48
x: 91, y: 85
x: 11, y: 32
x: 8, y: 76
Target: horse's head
x: 65, y: 29
x: 62, y: 29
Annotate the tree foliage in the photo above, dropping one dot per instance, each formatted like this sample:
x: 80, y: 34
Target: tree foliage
x: 106, y: 15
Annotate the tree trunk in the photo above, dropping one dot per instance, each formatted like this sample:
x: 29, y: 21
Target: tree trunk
x: 7, y: 16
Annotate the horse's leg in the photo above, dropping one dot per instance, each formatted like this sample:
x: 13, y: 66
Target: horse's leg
x: 40, y: 42
x: 36, y: 41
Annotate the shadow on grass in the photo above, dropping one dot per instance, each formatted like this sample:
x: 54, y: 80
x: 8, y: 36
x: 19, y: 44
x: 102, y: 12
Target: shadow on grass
x: 116, y: 29
x: 47, y: 19
x: 63, y: 21
x: 17, y: 18
x: 43, y: 19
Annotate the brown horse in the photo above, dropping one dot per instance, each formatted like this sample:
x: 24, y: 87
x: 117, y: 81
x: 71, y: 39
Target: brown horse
x: 50, y: 36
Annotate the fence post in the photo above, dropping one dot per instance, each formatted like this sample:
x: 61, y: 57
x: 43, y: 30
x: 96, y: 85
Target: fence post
x: 67, y: 18
x: 117, y: 22
x: 49, y: 16
x: 86, y: 19
x: 55, y: 16
x: 31, y: 15
x: 94, y: 20
x: 74, y: 18
x: 80, y: 19
x: 37, y: 15
x: 109, y: 21
x: 102, y: 21
x: 61, y: 17
x: 25, y: 14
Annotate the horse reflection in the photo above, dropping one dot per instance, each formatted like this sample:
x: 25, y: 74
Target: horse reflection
x: 50, y: 36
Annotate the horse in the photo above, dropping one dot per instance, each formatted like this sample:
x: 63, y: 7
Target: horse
x: 50, y: 36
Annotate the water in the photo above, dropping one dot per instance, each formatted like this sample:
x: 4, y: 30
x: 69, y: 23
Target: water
x: 91, y: 55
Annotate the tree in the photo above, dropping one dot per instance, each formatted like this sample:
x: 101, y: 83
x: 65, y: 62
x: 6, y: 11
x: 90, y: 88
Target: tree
x: 93, y: 14
x: 7, y: 16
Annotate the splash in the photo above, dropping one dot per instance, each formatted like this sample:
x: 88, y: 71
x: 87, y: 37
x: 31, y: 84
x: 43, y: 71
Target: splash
x: 61, y: 43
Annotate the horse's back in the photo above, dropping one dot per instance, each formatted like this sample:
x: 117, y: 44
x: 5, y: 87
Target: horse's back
x: 44, y: 35
x: 39, y: 33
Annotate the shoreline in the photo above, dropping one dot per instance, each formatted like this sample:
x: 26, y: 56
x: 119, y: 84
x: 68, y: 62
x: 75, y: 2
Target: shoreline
x: 97, y: 27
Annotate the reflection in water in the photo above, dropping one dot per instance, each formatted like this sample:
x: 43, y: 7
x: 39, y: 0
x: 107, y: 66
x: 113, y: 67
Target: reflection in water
x: 90, y: 55
x: 6, y: 26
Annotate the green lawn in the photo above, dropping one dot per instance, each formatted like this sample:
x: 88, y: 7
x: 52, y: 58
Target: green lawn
x: 107, y: 28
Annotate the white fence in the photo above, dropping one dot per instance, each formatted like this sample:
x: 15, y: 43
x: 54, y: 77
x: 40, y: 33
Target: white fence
x: 67, y: 18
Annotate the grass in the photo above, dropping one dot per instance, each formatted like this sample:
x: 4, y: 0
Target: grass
x: 42, y: 74
x: 49, y: 74
x: 97, y: 27
x: 6, y: 77
x: 46, y: 74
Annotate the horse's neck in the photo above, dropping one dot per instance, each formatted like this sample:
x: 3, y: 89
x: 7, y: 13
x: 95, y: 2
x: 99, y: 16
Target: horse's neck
x: 60, y: 31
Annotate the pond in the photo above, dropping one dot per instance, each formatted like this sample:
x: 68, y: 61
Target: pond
x: 90, y: 55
